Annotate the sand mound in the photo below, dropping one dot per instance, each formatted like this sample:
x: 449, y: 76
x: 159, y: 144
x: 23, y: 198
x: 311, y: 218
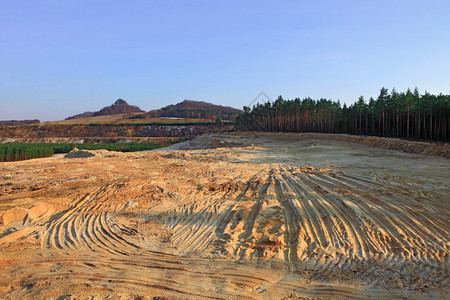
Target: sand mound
x: 40, y: 210
x: 45, y: 210
x: 14, y: 215
x: 76, y: 153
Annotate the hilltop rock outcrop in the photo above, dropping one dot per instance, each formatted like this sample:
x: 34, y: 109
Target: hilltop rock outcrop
x: 119, y: 107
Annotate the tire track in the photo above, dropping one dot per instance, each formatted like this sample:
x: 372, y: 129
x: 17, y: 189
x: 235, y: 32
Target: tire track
x: 86, y: 226
x: 329, y: 222
x: 316, y: 222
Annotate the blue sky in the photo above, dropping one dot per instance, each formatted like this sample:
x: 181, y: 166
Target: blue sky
x: 62, y: 57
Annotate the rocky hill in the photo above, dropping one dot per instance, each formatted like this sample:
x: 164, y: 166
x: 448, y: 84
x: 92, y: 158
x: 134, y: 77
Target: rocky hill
x: 195, y: 109
x: 119, y: 107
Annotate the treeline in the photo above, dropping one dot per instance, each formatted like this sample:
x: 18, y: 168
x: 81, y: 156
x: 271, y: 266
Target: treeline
x: 21, y: 151
x: 12, y: 152
x: 19, y: 122
x: 396, y: 114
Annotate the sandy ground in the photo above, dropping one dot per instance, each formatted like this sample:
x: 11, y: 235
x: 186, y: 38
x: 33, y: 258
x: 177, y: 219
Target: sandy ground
x: 277, y: 216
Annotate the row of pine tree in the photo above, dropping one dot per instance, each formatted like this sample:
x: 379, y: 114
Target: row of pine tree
x: 396, y: 114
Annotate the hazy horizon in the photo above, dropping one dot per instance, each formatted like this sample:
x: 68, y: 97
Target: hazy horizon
x: 63, y: 58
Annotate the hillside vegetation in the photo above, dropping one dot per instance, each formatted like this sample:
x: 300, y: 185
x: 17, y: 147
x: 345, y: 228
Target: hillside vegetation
x: 196, y: 109
x: 188, y: 111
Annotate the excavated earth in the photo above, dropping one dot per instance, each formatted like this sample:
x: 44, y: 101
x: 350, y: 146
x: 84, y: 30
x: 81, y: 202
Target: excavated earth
x: 238, y: 215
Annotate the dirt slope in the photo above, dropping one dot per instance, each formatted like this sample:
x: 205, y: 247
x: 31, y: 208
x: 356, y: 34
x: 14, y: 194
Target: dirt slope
x: 275, y: 216
x: 221, y: 140
x: 108, y: 131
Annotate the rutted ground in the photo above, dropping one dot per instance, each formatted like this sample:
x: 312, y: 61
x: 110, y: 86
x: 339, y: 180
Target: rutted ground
x: 276, y: 216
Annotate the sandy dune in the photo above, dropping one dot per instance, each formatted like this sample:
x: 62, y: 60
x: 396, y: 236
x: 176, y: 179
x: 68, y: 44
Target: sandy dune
x: 279, y: 216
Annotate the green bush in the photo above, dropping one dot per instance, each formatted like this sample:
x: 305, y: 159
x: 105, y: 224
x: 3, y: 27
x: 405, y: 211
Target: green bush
x: 19, y: 151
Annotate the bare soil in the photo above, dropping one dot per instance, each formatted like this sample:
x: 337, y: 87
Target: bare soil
x: 239, y: 215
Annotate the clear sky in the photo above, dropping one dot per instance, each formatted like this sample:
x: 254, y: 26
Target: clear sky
x: 63, y: 57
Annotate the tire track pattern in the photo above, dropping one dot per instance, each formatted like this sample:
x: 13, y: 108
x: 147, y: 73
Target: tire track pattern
x: 87, y: 226
x: 327, y: 221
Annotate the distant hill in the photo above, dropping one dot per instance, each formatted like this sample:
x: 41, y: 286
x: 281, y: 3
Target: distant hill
x: 194, y: 109
x: 19, y: 122
x: 119, y: 107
